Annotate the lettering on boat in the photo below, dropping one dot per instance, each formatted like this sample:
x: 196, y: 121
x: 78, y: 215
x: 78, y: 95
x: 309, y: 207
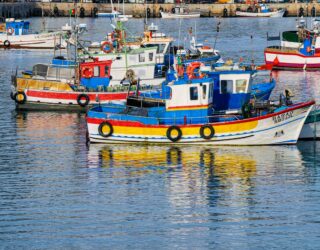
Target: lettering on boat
x: 282, y: 117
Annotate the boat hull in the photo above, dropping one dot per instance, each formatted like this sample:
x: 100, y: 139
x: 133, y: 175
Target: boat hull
x: 311, y: 127
x: 168, y: 15
x: 56, y: 100
x: 291, y: 59
x: 278, y: 13
x: 33, y: 41
x: 282, y: 127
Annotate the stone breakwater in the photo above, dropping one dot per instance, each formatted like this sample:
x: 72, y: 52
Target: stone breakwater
x: 139, y: 10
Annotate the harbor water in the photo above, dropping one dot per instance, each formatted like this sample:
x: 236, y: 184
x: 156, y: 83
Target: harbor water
x: 57, y: 192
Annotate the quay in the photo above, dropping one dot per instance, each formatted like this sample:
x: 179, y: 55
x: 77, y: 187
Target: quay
x: 140, y: 10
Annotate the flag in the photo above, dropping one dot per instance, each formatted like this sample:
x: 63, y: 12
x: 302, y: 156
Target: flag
x: 72, y: 12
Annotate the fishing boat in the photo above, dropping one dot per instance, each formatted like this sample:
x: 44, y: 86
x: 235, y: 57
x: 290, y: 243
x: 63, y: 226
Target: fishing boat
x: 66, y: 85
x: 311, y: 127
x: 141, y: 61
x: 187, y: 116
x: 260, y: 10
x: 16, y: 34
x: 305, y: 58
x: 179, y: 11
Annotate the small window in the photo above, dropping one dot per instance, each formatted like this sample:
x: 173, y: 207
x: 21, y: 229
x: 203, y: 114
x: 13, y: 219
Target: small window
x: 106, y: 70
x: 210, y: 90
x: 194, y: 93
x: 226, y: 87
x: 241, y: 86
x: 150, y: 57
x: 142, y: 58
x: 96, y: 71
x: 204, y: 91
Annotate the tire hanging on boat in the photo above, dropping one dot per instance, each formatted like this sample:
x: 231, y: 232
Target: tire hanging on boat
x: 207, y: 128
x: 83, y: 100
x: 105, y: 129
x: 6, y: 44
x: 148, y: 12
x: 20, y: 97
x: 173, y: 10
x: 12, y: 96
x: 171, y: 136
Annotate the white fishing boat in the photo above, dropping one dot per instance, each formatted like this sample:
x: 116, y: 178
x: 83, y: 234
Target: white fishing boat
x: 16, y: 34
x: 180, y: 11
x: 261, y: 10
x: 311, y: 127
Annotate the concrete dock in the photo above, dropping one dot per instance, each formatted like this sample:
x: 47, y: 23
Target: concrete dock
x: 139, y: 10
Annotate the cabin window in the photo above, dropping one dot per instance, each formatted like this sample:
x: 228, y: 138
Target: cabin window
x: 150, y: 57
x: 210, y: 90
x: 241, y: 86
x: 106, y: 70
x: 204, y: 91
x: 142, y: 58
x: 96, y: 71
x: 193, y: 93
x: 226, y: 86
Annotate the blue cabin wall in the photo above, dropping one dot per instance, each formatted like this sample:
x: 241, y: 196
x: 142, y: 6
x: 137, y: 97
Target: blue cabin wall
x: 95, y: 82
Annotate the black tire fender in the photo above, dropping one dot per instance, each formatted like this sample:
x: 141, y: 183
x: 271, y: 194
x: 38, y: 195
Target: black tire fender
x: 6, y: 44
x: 173, y: 10
x: 102, y: 127
x: 203, y: 134
x: 80, y: 98
x: 169, y: 133
x: 22, y: 95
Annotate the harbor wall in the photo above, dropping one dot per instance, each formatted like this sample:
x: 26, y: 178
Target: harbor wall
x: 139, y: 10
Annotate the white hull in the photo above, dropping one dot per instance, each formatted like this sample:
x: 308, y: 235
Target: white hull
x: 293, y: 45
x: 278, y: 13
x: 311, y: 129
x: 173, y: 15
x: 291, y: 60
x: 33, y: 41
x: 280, y: 128
x: 143, y: 82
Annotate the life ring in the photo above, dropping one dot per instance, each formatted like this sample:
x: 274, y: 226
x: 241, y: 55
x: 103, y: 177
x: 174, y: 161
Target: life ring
x: 106, y: 47
x: 191, y: 70
x: 105, y: 129
x: 207, y: 131
x: 10, y: 31
x: 173, y: 10
x: 6, y: 44
x: 86, y: 72
x: 82, y: 12
x: 20, y: 97
x: 225, y: 12
x: 174, y: 133
x: 83, y: 100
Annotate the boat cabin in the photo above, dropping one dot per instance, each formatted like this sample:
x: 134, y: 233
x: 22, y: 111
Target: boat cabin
x: 17, y: 27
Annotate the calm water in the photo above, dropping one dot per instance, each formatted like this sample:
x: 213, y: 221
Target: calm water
x: 58, y: 193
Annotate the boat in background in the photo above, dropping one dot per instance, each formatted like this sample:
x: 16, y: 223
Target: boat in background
x: 66, y: 85
x: 311, y: 127
x: 260, y: 10
x: 179, y: 11
x: 16, y: 34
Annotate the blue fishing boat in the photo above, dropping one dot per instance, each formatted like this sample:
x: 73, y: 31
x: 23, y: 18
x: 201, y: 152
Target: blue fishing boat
x: 187, y: 112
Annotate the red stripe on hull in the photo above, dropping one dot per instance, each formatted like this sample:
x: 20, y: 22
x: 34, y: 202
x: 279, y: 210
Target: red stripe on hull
x: 139, y: 124
x: 74, y: 95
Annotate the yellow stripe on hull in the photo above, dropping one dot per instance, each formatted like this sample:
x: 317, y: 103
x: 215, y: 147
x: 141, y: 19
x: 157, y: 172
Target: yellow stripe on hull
x: 186, y: 130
